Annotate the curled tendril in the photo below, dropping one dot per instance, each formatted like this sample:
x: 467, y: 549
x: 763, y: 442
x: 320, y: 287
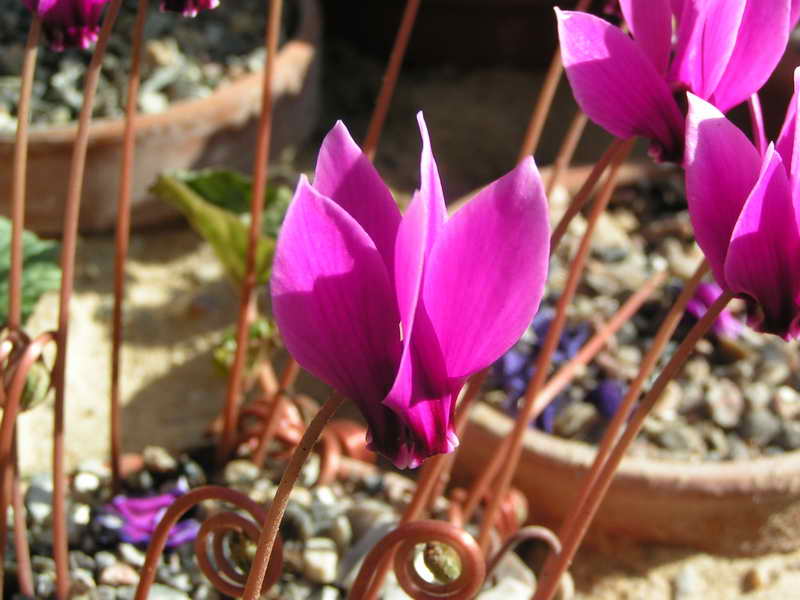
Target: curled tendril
x: 226, y: 576
x: 402, y: 542
x: 212, y: 557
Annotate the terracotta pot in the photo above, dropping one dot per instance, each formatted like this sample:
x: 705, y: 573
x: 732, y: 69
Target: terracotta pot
x: 741, y: 507
x: 213, y: 131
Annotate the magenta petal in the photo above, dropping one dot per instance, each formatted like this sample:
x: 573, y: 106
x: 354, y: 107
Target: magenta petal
x: 722, y: 166
x: 650, y: 22
x: 760, y: 43
x: 430, y: 186
x: 486, y: 273
x: 422, y: 399
x: 333, y: 300
x: 346, y: 176
x: 764, y: 257
x: 786, y: 140
x: 706, y: 41
x: 615, y: 83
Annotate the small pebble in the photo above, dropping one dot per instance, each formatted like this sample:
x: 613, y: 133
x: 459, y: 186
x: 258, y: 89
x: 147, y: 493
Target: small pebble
x: 320, y: 560
x: 759, y: 426
x: 756, y: 578
x: 158, y: 460
x: 688, y: 584
x: 119, y: 574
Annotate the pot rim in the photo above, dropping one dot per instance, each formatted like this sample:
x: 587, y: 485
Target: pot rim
x: 778, y: 474
x: 188, y: 111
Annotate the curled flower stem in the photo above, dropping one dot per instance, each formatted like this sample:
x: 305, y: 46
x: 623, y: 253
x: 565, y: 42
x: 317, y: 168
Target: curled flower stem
x: 549, y: 345
x: 272, y: 522
x: 247, y: 306
x: 401, y: 543
x: 10, y: 476
x: 561, y: 379
x: 567, y: 150
x: 390, y: 78
x: 69, y: 240
x: 122, y: 239
x: 11, y: 396
x: 583, y: 195
x: 556, y: 565
x: 272, y: 419
x: 548, y: 91
x: 429, y: 484
x: 757, y: 123
x: 216, y: 524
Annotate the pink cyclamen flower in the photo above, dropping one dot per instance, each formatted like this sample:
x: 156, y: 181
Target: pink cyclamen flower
x: 396, y: 311
x: 68, y: 23
x: 722, y: 51
x: 745, y: 210
x: 188, y: 8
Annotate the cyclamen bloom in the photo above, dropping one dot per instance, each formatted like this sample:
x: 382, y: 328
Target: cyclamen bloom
x: 68, y: 23
x: 188, y: 8
x: 723, y: 51
x: 396, y: 311
x: 745, y: 210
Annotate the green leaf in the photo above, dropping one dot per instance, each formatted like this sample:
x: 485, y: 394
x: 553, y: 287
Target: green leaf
x: 207, y: 199
x: 232, y: 191
x: 41, y: 272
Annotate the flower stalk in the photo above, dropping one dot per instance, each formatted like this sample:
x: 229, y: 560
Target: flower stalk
x: 272, y: 521
x: 247, y: 306
x: 556, y: 564
x: 68, y: 249
x: 122, y: 240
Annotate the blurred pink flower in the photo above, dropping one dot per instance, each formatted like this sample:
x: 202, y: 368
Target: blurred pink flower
x: 188, y: 8
x: 68, y: 23
x: 396, y: 311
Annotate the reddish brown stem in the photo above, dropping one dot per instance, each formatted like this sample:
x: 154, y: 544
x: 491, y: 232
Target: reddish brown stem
x: 390, y: 78
x: 11, y: 404
x: 21, y: 548
x: 548, y: 347
x: 548, y: 91
x: 68, y: 249
x: 123, y: 237
x: 272, y: 419
x: 269, y: 532
x: 582, y: 197
x: 559, y: 381
x: 556, y: 565
x: 19, y: 176
x: 247, y: 300
x: 567, y: 150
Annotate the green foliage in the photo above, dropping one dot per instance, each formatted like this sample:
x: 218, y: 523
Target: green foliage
x: 262, y: 337
x: 41, y: 272
x: 217, y: 205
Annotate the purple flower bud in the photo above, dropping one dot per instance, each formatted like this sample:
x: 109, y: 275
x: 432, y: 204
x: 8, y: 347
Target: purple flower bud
x: 726, y: 324
x: 141, y: 516
x: 607, y: 397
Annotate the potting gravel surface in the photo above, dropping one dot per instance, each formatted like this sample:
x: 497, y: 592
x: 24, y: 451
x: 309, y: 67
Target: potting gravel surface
x: 737, y: 396
x: 326, y: 530
x: 183, y: 59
